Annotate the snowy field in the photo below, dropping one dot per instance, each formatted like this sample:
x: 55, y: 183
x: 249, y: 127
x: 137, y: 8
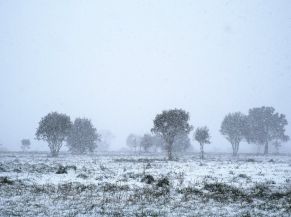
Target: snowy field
x: 111, y: 184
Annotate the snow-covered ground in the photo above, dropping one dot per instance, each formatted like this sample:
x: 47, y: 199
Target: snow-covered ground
x: 111, y: 184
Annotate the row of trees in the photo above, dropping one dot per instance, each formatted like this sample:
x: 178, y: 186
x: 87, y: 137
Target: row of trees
x: 154, y: 143
x: 81, y: 136
x: 262, y: 126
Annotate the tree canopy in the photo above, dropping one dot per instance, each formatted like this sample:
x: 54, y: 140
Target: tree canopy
x: 169, y: 124
x: 54, y: 129
x: 83, y: 137
x: 233, y: 128
x: 265, y: 126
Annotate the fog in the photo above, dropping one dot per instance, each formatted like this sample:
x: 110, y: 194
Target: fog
x: 119, y: 63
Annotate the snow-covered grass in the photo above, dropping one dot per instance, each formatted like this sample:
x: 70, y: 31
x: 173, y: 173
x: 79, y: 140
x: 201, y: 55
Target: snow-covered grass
x: 111, y: 184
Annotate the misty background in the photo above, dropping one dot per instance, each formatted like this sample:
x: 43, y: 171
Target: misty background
x: 119, y: 63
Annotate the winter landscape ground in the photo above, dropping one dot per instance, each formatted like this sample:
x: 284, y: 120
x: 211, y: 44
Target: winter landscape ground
x: 115, y: 184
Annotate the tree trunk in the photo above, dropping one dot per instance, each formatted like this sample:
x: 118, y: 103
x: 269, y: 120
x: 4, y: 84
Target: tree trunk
x: 266, y: 149
x: 233, y: 149
x: 236, y: 148
x: 202, y: 151
x: 54, y: 148
x: 170, y: 155
x: 54, y: 152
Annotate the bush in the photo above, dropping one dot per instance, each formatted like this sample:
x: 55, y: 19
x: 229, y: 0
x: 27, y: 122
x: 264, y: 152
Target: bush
x: 61, y: 170
x: 5, y: 180
x: 64, y: 169
x: 148, y: 179
x: 163, y: 182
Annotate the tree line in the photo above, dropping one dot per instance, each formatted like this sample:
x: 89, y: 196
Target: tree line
x: 170, y: 132
x: 261, y: 126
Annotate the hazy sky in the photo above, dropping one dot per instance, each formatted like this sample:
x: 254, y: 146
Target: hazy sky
x: 120, y: 63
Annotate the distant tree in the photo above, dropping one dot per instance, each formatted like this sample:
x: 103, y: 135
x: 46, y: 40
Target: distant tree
x: 106, y: 140
x: 169, y: 124
x: 25, y: 144
x: 182, y: 143
x: 133, y: 142
x: 158, y: 143
x: 54, y: 129
x: 202, y: 136
x: 2, y: 148
x: 147, y: 142
x: 83, y: 137
x: 234, y: 128
x: 266, y: 126
x: 277, y: 144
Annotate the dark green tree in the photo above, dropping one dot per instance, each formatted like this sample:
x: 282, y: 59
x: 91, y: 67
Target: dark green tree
x: 83, y: 137
x: 201, y: 135
x: 233, y: 128
x: 54, y: 129
x: 266, y: 126
x: 169, y: 124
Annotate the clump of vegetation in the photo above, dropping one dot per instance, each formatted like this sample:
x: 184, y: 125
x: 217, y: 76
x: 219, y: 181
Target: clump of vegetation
x: 5, y: 180
x: 148, y: 179
x: 244, y: 176
x: 260, y: 190
x: 73, y: 188
x: 82, y: 176
x: 163, y: 182
x: 189, y: 192
x: 64, y: 169
x: 17, y: 170
x: 109, y: 187
x: 224, y: 192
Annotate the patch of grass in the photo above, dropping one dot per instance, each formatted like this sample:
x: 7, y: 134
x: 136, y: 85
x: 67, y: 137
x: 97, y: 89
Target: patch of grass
x: 109, y: 187
x: 190, y: 191
x: 260, y: 190
x: 82, y: 176
x: 244, y: 176
x: 223, y: 192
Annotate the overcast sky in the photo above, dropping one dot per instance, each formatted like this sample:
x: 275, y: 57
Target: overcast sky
x: 120, y: 63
